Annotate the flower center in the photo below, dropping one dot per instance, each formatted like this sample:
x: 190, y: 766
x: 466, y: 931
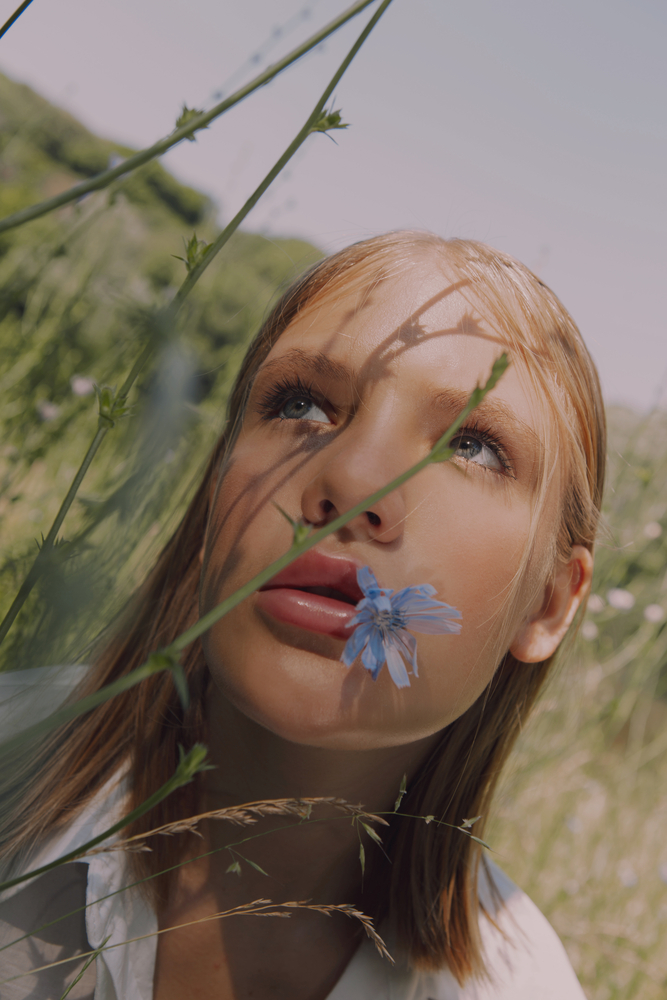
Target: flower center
x: 389, y: 621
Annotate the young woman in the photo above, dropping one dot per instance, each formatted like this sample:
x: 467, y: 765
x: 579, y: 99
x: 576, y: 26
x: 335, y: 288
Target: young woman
x: 357, y: 372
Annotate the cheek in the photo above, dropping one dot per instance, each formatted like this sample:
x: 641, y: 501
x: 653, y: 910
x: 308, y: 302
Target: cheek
x: 473, y: 540
x: 472, y: 545
x: 242, y: 524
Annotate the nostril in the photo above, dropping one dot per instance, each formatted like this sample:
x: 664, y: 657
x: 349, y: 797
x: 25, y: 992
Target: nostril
x: 373, y: 518
x: 326, y: 506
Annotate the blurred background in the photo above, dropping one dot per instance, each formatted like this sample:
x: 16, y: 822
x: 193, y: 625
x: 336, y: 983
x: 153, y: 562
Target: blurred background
x: 539, y: 128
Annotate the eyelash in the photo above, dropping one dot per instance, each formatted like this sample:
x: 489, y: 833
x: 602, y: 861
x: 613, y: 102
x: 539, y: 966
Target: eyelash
x: 275, y: 397
x: 491, y: 441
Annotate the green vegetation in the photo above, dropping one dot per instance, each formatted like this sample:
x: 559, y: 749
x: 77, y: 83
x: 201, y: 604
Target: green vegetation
x: 580, y: 821
x: 581, y: 815
x: 80, y: 293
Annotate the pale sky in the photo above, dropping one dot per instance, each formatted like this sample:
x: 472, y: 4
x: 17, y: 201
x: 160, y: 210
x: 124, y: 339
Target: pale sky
x: 536, y: 126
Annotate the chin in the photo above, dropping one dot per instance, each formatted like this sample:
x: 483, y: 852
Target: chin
x: 311, y: 700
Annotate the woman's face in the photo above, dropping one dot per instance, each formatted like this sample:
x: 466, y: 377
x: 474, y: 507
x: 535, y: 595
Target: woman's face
x: 354, y: 392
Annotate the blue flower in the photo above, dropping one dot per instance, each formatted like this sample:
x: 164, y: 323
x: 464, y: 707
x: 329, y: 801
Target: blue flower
x: 381, y: 623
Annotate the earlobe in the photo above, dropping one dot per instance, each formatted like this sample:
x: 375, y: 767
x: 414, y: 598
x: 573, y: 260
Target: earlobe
x: 540, y: 637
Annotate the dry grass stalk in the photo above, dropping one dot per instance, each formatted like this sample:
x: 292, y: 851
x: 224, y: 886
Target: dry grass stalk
x: 258, y: 908
x: 243, y: 815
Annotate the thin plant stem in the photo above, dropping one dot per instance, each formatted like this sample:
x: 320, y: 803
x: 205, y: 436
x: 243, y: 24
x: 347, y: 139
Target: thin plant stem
x: 65, y: 715
x: 49, y: 542
x: 439, y: 452
x: 379, y: 817
x: 184, y: 132
x: 169, y: 315
x: 261, y: 907
x: 166, y: 659
x: 15, y: 16
x: 196, y: 272
x: 190, y: 764
x: 89, y: 961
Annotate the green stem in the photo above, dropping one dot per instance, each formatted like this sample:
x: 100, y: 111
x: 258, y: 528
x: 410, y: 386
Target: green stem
x: 80, y: 707
x: 195, y: 274
x: 185, y: 289
x: 89, y: 961
x: 49, y: 542
x: 438, y: 453
x: 161, y: 661
x: 15, y: 16
x: 184, y: 773
x: 293, y: 553
x: 185, y: 131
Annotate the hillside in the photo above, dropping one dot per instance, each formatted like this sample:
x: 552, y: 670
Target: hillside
x: 80, y: 291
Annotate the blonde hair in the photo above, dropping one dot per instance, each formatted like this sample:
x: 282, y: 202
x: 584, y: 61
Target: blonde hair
x: 430, y: 889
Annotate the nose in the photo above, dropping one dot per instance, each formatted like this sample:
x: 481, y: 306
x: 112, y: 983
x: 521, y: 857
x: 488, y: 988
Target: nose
x: 358, y: 469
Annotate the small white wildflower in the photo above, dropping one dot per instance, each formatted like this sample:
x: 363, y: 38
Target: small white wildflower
x: 590, y: 631
x: 595, y: 603
x: 653, y: 529
x: 654, y: 613
x: 620, y: 599
x: 48, y: 411
x: 81, y: 385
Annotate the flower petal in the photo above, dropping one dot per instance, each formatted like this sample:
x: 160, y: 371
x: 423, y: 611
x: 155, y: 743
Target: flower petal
x: 382, y: 618
x: 355, y: 644
x: 367, y: 582
x: 397, y: 671
x: 408, y: 647
x: 369, y: 585
x: 364, y: 614
x: 407, y: 595
x: 374, y: 655
x: 433, y: 624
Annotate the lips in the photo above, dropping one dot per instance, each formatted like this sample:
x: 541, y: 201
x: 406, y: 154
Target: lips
x: 317, y: 592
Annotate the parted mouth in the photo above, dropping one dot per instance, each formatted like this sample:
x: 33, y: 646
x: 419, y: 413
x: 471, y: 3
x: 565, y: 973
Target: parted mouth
x: 324, y: 575
x: 336, y: 595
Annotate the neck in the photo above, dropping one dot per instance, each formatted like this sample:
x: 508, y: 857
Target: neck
x: 317, y: 859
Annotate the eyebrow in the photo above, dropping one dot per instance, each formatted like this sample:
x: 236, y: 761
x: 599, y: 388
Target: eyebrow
x: 308, y: 363
x: 493, y: 411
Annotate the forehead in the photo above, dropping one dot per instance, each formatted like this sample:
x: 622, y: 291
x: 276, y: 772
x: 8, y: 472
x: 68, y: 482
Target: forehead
x: 416, y: 330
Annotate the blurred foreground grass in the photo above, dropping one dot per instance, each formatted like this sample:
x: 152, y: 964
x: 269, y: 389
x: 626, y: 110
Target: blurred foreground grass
x: 581, y: 814
x: 81, y: 292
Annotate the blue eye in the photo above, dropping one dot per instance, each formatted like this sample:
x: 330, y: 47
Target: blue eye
x: 291, y: 399
x: 475, y: 449
x: 302, y: 408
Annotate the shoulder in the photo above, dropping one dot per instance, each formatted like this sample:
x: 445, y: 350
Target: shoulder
x: 525, y: 959
x: 524, y: 956
x: 45, y: 924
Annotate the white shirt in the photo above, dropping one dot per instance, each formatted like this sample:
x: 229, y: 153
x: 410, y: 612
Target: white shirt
x: 525, y: 959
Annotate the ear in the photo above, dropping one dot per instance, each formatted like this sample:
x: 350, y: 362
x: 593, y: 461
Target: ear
x: 540, y: 637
